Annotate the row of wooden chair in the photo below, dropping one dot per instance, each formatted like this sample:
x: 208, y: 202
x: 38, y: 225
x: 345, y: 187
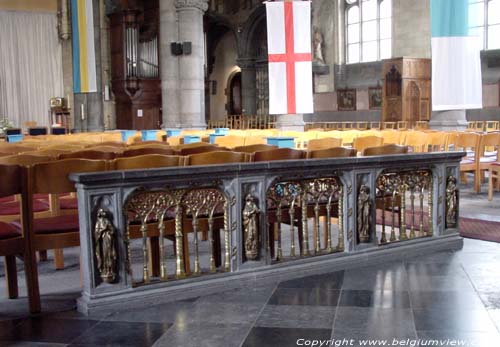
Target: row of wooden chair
x: 33, y: 176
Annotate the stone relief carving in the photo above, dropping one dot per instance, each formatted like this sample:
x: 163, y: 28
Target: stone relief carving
x: 318, y: 46
x: 451, y: 202
x: 251, y: 227
x: 105, y: 246
x: 363, y: 216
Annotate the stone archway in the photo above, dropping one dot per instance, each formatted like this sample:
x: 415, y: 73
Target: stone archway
x: 234, y: 101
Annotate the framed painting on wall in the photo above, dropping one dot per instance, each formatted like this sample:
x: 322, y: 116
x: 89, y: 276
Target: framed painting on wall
x: 375, y: 98
x: 346, y: 99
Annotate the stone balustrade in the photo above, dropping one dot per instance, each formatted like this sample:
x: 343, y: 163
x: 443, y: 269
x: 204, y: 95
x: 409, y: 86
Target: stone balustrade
x: 237, y: 224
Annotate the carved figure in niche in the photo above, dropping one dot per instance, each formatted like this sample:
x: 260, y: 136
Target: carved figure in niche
x: 318, y: 46
x: 451, y: 202
x: 363, y: 217
x: 251, y: 227
x: 105, y: 251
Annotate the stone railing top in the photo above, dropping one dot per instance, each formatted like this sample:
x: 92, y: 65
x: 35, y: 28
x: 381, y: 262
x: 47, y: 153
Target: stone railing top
x: 309, y: 167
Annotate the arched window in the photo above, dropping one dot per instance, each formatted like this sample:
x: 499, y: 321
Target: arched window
x: 484, y: 21
x: 368, y: 30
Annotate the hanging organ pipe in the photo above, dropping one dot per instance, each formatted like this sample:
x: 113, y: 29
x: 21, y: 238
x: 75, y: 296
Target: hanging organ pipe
x: 141, y: 57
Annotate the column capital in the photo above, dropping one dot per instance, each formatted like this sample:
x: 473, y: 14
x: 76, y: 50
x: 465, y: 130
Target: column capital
x: 202, y: 5
x: 246, y: 63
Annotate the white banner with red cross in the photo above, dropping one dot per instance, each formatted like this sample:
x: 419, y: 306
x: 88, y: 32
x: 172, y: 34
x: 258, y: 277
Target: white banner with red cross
x: 289, y: 50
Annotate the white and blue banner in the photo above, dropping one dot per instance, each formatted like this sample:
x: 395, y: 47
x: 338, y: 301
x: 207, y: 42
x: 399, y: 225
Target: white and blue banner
x: 456, y: 63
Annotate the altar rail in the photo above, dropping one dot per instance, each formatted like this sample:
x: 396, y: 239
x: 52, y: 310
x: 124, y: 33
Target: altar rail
x: 254, y: 216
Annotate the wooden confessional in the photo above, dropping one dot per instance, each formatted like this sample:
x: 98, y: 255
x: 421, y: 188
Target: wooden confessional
x: 135, y: 72
x: 407, y: 90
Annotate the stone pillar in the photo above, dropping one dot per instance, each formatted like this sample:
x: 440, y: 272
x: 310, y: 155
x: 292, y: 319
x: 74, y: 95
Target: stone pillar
x: 294, y: 122
x: 169, y: 65
x: 248, y: 85
x: 191, y: 66
x: 448, y: 120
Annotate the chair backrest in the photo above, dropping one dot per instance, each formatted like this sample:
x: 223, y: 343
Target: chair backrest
x: 193, y: 145
x: 490, y: 142
x: 385, y: 150
x: 279, y: 154
x: 360, y: 143
x: 25, y: 159
x: 148, y: 144
x: 230, y: 141
x: 14, y: 149
x: 217, y: 157
x: 13, y: 179
x: 254, y: 148
x: 254, y: 140
x: 147, y: 161
x: 327, y: 142
x: 111, y: 143
x: 417, y: 140
x: 48, y: 152
x: 89, y: 154
x: 201, y: 149
x: 53, y: 177
x: 391, y: 136
x: 437, y: 141
x: 470, y: 142
x: 111, y: 149
x: 332, y: 153
x: 146, y: 150
x: 65, y: 147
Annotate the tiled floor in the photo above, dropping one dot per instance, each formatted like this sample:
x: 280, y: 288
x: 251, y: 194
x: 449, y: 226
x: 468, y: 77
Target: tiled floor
x: 446, y: 295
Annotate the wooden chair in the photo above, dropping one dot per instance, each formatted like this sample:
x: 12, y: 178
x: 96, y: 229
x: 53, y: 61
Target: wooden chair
x: 437, y: 141
x: 48, y: 152
x: 254, y: 140
x: 230, y: 141
x: 254, y: 148
x: 279, y: 154
x: 59, y: 230
x: 391, y: 136
x: 385, y: 150
x: 417, y: 141
x: 147, y: 150
x: 360, y: 143
x: 332, y: 153
x: 146, y: 161
x: 110, y: 149
x: 217, y: 157
x: 16, y: 149
x: 201, y: 149
x: 470, y: 142
x: 328, y: 142
x: 110, y: 143
x: 15, y: 239
x: 488, y: 153
x: 493, y: 175
x: 492, y: 126
x: 89, y: 154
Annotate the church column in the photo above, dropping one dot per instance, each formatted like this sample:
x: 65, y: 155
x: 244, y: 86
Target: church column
x: 169, y: 65
x: 248, y: 85
x: 448, y: 120
x: 191, y: 65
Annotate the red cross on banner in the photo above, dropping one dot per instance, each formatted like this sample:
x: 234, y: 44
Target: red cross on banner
x: 289, y: 49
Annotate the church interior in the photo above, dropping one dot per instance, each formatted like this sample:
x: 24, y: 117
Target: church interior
x: 150, y: 195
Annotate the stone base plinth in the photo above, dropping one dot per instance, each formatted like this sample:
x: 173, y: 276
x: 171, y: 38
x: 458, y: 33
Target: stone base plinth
x: 448, y: 120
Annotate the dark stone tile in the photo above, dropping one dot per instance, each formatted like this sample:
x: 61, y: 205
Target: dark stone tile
x: 168, y: 312
x: 380, y: 298
x: 31, y: 344
x: 374, y: 278
x: 124, y: 334
x: 396, y: 322
x: 219, y: 313
x: 445, y: 300
x: 46, y: 329
x: 304, y: 296
x: 440, y: 283
x: 241, y: 296
x: 465, y: 320
x: 283, y: 337
x: 433, y: 269
x: 468, y: 339
x: 300, y: 316
x: 330, y: 281
x: 203, y: 334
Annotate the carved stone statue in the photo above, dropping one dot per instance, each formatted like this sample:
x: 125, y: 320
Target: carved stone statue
x: 251, y: 228
x: 451, y: 202
x: 363, y: 216
x: 318, y: 46
x: 105, y: 251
